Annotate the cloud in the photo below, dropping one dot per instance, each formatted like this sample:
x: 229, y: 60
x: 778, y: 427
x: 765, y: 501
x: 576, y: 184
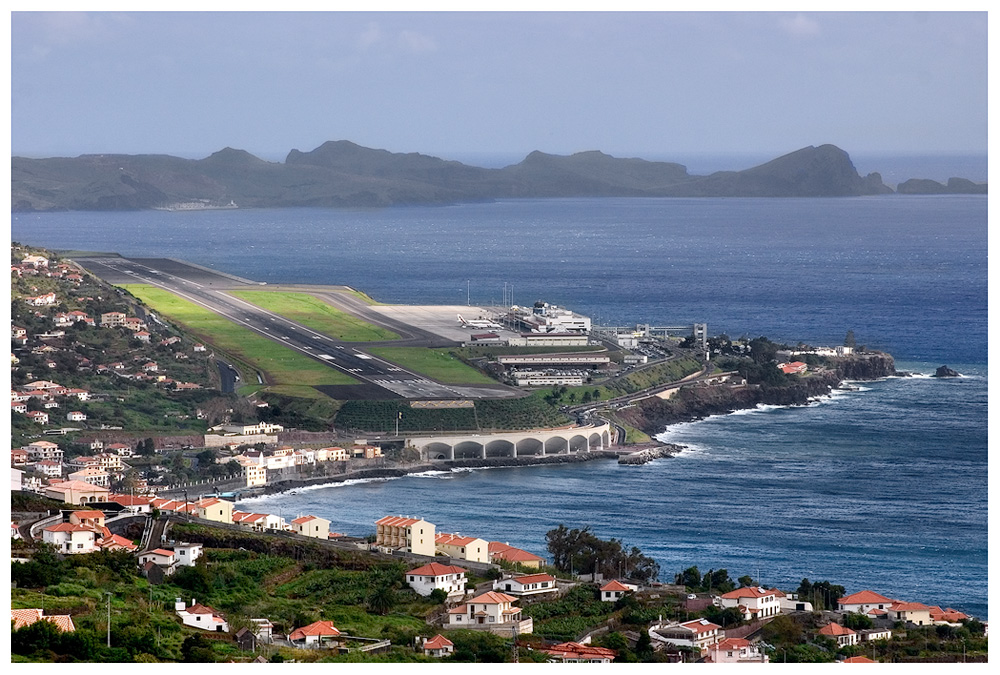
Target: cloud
x: 417, y: 43
x: 799, y: 25
x: 370, y: 35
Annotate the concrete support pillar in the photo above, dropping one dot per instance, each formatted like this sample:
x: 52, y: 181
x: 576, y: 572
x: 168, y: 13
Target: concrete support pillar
x: 513, y: 450
x: 484, y: 451
x: 451, y: 453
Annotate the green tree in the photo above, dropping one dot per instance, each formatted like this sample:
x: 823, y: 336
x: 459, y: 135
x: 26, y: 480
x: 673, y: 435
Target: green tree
x: 690, y: 578
x: 745, y: 580
x: 849, y: 339
x: 381, y: 600
x: 438, y: 596
x: 857, y: 621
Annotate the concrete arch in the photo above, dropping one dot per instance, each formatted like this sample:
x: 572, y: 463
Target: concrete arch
x: 500, y: 448
x: 468, y: 450
x: 596, y: 442
x: 578, y: 443
x: 530, y: 446
x: 438, y: 451
x: 607, y: 438
x: 556, y: 445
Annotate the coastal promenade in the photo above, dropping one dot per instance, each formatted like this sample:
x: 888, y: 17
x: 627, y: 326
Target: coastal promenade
x: 533, y: 443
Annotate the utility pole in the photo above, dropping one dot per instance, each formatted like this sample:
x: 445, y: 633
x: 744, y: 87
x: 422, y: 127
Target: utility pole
x: 513, y: 631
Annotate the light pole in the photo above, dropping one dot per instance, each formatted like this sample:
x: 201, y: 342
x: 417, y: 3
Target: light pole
x: 108, y: 593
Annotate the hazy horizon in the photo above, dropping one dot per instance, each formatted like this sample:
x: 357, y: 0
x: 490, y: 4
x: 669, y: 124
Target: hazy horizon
x: 656, y: 85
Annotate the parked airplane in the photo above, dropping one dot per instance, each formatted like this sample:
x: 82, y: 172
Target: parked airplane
x: 477, y: 323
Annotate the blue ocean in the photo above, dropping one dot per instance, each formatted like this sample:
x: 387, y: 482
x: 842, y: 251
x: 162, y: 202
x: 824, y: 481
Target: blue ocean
x: 882, y: 488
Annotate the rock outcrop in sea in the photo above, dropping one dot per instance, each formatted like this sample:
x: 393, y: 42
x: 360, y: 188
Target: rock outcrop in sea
x: 945, y: 371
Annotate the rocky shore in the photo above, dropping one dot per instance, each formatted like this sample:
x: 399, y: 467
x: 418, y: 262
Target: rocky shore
x: 649, y: 454
x: 653, y: 415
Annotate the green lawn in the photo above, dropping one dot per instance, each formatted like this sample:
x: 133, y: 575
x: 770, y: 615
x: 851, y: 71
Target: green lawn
x: 293, y: 372
x: 316, y: 314
x: 436, y: 364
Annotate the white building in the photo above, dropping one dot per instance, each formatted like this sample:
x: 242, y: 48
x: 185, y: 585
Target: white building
x: 736, y: 650
x: 449, y: 578
x: 754, y: 602
x: 527, y: 584
x: 697, y: 634
x: 491, y: 610
x: 463, y: 548
x: 312, y: 526
x: 201, y: 616
x: 70, y: 538
x: 864, y: 601
x: 415, y: 535
x: 614, y: 590
x: 187, y: 554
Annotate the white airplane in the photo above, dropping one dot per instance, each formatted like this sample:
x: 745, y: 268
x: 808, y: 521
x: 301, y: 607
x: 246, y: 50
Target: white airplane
x: 477, y: 323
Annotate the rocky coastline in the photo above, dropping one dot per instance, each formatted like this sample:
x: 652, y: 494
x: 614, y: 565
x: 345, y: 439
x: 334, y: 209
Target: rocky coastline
x: 653, y: 415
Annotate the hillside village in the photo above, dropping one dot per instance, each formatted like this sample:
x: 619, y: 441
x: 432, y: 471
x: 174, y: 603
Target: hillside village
x: 409, y: 592
x: 117, y: 419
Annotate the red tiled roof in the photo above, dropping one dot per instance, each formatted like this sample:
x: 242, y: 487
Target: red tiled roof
x: 446, y: 539
x: 438, y: 642
x: 492, y: 598
x: 615, y: 585
x: 746, y: 592
x: 317, y: 628
x: 858, y: 659
x: 436, y: 570
x: 303, y: 519
x: 835, y: 629
x: 864, y: 598
x: 26, y: 617
x: 159, y: 551
x: 575, y: 650
x: 458, y: 610
x: 534, y: 578
x: 507, y: 552
x: 908, y: 607
x: 731, y: 643
x: 701, y: 626
x: 68, y: 527
x: 397, y: 521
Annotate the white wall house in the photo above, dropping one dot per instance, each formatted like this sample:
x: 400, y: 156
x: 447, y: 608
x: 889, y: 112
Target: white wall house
x: 527, y: 584
x: 187, y: 554
x: 863, y: 601
x: 201, y: 616
x: 449, y: 578
x: 614, y: 590
x: 698, y: 634
x: 490, y: 610
x: 70, y: 538
x: 754, y: 602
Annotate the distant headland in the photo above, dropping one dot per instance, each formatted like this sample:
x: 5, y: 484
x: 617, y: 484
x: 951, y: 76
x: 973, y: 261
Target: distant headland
x: 343, y: 174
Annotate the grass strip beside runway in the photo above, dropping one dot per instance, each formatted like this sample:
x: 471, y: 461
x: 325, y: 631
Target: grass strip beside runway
x: 282, y: 365
x: 437, y: 364
x: 316, y: 314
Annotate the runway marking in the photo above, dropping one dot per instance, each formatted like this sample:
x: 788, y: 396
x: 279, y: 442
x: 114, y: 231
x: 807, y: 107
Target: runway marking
x: 325, y: 356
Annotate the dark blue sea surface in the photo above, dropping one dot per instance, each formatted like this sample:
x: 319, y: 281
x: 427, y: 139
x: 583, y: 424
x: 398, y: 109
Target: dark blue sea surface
x: 883, y: 488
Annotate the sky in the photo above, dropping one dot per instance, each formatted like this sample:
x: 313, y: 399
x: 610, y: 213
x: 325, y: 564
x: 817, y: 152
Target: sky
x: 465, y: 85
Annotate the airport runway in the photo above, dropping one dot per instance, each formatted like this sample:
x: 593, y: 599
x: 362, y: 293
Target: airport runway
x: 207, y: 288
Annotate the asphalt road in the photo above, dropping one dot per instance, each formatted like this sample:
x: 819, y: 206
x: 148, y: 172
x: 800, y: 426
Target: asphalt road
x: 206, y: 288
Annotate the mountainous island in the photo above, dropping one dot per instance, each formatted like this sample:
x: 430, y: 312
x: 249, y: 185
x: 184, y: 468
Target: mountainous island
x: 344, y: 174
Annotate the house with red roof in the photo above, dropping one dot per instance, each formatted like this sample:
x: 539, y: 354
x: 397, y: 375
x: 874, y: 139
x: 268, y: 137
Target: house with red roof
x: 949, y: 616
x: 438, y: 647
x: 115, y: 542
x: 842, y: 634
x: 858, y: 659
x: 615, y: 590
x: 92, y: 519
x: 449, y: 578
x: 218, y: 510
x: 698, y: 634
x: 503, y: 552
x: 793, y: 368
x: 462, y: 548
x: 38, y: 416
x: 574, y: 652
x: 70, y: 538
x: 26, y: 617
x: 736, y: 650
x: 316, y: 635
x: 201, y: 616
x: 753, y: 601
x: 863, y: 601
x: 910, y: 612
x: 311, y: 526
x: 490, y: 611
x: 526, y: 584
x: 162, y: 557
x: 414, y: 535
